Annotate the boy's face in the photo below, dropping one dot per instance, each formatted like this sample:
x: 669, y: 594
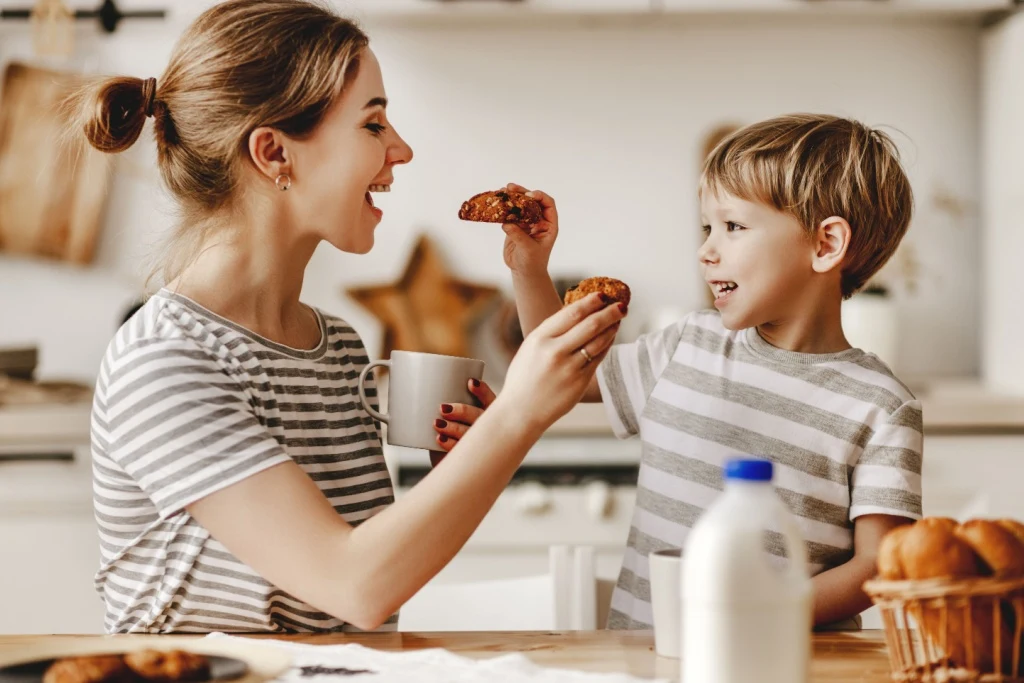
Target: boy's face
x: 757, y: 261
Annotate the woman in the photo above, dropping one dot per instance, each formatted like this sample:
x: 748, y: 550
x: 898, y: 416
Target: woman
x: 239, y: 485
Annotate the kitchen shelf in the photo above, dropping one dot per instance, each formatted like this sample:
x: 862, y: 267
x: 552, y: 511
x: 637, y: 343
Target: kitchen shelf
x: 503, y: 10
x: 836, y: 7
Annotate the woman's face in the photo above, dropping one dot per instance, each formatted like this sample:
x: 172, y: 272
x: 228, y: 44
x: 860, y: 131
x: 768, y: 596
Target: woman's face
x: 349, y: 156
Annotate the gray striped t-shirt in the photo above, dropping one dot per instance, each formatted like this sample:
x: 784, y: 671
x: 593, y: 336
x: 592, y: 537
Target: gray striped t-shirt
x: 188, y: 403
x: 843, y: 432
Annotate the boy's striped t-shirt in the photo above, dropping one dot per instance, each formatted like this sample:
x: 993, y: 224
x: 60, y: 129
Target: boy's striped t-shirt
x: 844, y: 434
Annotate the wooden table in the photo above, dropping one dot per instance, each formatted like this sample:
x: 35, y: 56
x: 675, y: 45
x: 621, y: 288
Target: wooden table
x: 838, y: 657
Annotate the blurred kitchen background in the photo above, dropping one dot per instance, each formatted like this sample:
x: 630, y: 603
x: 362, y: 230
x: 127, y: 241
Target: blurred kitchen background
x: 609, y: 106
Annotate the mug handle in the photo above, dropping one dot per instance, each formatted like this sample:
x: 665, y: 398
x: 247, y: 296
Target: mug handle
x: 362, y: 389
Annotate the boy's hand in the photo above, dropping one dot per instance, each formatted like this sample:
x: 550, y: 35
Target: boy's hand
x: 457, y: 418
x: 528, y: 247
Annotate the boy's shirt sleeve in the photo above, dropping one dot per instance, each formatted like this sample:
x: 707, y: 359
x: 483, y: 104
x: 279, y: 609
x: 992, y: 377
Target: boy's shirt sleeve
x: 887, y: 477
x: 629, y: 372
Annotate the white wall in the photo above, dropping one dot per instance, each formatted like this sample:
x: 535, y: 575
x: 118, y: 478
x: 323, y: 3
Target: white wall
x: 607, y: 117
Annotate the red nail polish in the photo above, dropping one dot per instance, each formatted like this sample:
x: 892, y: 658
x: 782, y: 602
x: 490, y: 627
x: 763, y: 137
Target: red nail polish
x: 605, y: 299
x: 475, y: 383
x: 444, y: 439
x: 624, y: 308
x: 445, y: 408
x: 440, y: 424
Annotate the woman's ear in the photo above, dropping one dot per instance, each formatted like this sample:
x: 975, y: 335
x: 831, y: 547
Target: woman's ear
x: 831, y: 240
x: 268, y: 152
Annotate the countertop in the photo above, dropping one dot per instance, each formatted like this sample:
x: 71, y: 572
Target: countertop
x: 962, y: 407
x: 949, y: 407
x: 838, y: 657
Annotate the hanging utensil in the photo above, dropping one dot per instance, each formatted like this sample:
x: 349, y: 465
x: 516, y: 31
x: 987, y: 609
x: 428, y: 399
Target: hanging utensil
x: 53, y: 28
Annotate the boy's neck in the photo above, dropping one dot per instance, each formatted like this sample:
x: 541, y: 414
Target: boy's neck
x: 818, y: 328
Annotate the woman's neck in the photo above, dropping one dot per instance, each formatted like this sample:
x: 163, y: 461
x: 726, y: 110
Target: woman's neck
x: 251, y: 272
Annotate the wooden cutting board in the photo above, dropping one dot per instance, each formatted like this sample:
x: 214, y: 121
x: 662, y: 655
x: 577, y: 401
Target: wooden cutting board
x: 52, y: 186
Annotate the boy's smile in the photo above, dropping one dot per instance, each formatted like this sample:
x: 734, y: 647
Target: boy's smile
x: 722, y: 290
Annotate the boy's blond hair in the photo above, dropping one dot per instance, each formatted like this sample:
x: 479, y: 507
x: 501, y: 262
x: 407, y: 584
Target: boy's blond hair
x: 816, y: 166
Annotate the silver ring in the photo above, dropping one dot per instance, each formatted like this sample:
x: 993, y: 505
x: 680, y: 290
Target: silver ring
x: 586, y: 354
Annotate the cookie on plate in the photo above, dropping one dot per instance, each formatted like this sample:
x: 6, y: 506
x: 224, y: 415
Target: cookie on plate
x: 502, y: 206
x: 168, y: 666
x: 90, y: 669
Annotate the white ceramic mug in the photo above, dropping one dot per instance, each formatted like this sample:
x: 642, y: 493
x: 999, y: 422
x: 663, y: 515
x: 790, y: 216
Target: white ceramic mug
x: 666, y: 569
x: 418, y: 384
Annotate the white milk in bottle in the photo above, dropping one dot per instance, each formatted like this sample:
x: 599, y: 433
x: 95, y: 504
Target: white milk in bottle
x: 746, y: 614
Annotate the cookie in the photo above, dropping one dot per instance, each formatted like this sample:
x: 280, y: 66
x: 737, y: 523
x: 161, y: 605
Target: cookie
x: 615, y: 289
x: 168, y: 666
x: 94, y: 669
x: 502, y: 206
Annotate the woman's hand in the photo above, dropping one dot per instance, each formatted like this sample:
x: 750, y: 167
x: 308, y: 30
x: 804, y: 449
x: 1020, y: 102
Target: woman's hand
x: 528, y: 247
x: 557, y: 361
x: 456, y: 419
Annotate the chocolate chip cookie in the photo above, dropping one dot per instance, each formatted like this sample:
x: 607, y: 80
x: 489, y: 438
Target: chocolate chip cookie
x: 502, y: 206
x: 614, y: 289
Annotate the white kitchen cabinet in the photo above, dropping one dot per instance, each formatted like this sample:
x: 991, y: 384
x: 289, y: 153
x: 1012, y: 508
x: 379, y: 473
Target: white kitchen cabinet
x: 46, y: 571
x: 974, y: 475
x: 1002, y: 168
x: 49, y: 547
x: 514, y: 538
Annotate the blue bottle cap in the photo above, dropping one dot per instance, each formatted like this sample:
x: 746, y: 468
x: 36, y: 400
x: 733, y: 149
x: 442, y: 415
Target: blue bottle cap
x: 748, y: 469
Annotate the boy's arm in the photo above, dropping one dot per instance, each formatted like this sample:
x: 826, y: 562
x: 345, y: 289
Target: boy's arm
x: 837, y: 592
x: 527, y: 252
x: 886, y: 482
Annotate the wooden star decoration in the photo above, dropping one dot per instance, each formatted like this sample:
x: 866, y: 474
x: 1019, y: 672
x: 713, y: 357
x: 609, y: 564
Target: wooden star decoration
x: 428, y: 309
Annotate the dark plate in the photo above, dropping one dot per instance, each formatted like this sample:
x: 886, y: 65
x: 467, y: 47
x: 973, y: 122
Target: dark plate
x: 221, y: 669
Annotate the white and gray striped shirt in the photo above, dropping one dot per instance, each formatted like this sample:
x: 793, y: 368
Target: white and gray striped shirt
x: 843, y: 432
x: 188, y: 403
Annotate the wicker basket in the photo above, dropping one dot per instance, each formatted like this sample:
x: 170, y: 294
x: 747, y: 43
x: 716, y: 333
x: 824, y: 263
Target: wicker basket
x: 940, y: 630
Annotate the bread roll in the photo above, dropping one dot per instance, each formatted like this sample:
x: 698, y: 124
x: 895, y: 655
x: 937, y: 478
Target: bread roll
x: 890, y: 566
x: 940, y: 548
x: 1014, y: 527
x: 1000, y: 550
x: 932, y: 550
x: 945, y: 522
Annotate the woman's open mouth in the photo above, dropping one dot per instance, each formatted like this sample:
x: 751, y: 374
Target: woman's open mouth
x: 369, y: 197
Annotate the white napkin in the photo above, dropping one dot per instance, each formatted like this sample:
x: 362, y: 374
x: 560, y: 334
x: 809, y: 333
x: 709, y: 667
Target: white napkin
x: 359, y: 664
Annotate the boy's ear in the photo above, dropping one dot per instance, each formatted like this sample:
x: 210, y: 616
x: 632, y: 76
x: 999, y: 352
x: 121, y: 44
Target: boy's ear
x: 268, y: 152
x: 831, y: 240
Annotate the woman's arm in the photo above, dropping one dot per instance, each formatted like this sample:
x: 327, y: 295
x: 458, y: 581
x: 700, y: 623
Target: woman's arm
x: 279, y: 523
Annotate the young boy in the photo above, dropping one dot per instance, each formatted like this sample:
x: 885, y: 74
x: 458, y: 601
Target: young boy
x: 798, y: 213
